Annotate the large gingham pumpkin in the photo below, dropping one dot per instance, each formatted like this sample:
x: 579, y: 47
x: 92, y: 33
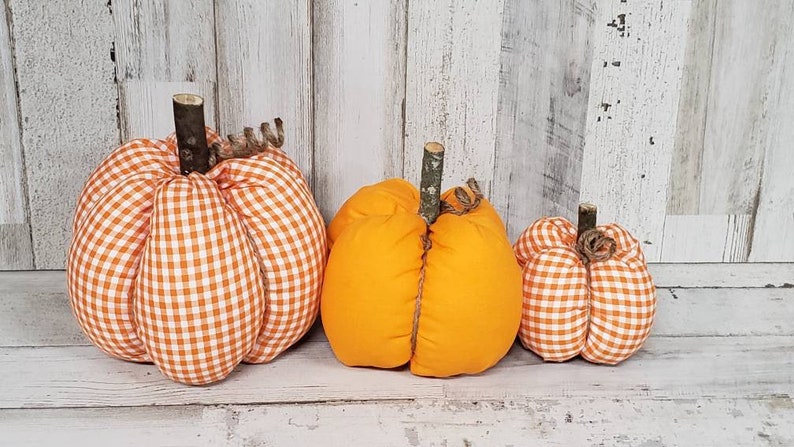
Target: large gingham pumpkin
x: 444, y: 297
x: 600, y: 306
x: 196, y: 273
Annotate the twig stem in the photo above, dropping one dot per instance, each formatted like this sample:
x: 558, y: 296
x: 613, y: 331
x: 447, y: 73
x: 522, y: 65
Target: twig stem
x: 430, y: 185
x: 191, y: 139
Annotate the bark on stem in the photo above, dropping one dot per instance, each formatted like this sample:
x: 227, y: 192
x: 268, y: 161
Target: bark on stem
x: 587, y: 218
x: 430, y: 186
x: 191, y: 139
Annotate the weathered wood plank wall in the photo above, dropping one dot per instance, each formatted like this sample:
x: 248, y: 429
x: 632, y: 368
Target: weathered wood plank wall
x: 672, y: 116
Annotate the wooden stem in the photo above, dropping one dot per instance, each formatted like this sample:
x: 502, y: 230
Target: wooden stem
x: 430, y: 186
x: 191, y: 139
x: 587, y: 218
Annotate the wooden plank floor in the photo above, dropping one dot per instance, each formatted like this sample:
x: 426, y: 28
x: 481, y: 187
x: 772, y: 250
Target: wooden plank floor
x: 717, y: 370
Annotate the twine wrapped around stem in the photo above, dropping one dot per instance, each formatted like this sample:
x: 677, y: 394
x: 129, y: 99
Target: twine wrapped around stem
x: 592, y: 244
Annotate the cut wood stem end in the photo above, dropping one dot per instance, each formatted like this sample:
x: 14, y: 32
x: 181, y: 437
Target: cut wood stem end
x: 587, y: 217
x: 191, y: 138
x: 430, y: 185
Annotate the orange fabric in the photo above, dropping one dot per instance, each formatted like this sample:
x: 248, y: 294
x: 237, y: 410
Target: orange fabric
x: 195, y: 273
x: 470, y: 306
x: 603, y: 311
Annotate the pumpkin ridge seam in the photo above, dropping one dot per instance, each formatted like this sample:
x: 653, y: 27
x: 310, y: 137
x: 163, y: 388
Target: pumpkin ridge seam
x: 426, y: 245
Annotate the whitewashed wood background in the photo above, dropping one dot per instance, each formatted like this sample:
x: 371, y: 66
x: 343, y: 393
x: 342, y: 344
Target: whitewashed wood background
x: 674, y: 116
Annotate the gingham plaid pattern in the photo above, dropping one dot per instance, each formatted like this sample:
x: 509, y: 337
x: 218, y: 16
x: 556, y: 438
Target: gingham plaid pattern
x: 199, y: 294
x: 287, y: 231
x: 622, y: 301
x: 554, y: 318
x: 157, y: 308
x: 605, y: 321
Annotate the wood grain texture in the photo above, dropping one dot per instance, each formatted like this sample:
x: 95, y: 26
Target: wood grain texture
x: 739, y: 78
x: 693, y: 107
x: 544, y: 81
x: 265, y: 71
x: 16, y: 251
x: 81, y: 376
x: 452, y: 83
x: 706, y: 238
x: 700, y: 312
x: 635, y: 80
x: 768, y: 275
x: 67, y: 104
x: 552, y: 422
x: 359, y: 95
x: 162, y: 48
x: 773, y: 233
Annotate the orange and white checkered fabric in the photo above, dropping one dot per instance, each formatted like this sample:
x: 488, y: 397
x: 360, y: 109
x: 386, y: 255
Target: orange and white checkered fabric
x: 603, y: 311
x: 195, y: 273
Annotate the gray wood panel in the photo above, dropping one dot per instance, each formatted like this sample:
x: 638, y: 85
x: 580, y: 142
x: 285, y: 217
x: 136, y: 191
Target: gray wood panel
x: 162, y: 48
x: 635, y: 82
x: 67, y: 104
x: 773, y: 233
x: 359, y: 96
x: 452, y: 83
x: 264, y: 69
x: 547, y: 50
x: 727, y: 101
x: 16, y: 251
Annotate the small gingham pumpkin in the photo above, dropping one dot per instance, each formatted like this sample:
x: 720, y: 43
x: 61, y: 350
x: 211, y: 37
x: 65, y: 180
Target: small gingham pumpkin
x: 197, y: 272
x: 590, y: 294
x: 401, y: 287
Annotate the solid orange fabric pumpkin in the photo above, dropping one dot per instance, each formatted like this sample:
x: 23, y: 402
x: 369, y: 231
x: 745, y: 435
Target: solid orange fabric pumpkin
x: 197, y: 272
x: 587, y: 293
x: 444, y: 296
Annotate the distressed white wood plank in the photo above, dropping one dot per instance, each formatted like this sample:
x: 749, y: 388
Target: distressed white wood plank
x: 706, y: 238
x: 741, y: 92
x: 134, y: 427
x: 665, y: 368
x: 33, y: 316
x: 165, y: 41
x: 147, y: 109
x: 162, y: 48
x: 452, y: 87
x: 724, y: 312
x: 359, y: 94
x: 16, y: 251
x: 773, y: 235
x: 635, y: 81
x: 687, y: 163
x: 265, y: 71
x: 729, y: 367
x: 81, y: 376
x: 67, y: 99
x: 542, y: 115
x: 563, y: 422
x: 723, y: 275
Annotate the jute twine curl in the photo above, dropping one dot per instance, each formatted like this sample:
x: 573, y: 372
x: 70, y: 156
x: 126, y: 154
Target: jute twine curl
x: 594, y: 246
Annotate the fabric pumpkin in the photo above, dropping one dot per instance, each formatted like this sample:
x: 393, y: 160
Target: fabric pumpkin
x: 195, y: 273
x: 445, y: 298
x: 602, y: 309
